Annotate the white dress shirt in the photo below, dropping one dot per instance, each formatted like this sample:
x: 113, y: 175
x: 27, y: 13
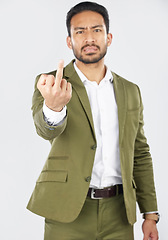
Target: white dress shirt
x: 106, y: 168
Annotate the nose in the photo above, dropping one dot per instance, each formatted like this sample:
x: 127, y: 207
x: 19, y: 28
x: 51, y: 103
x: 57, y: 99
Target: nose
x: 89, y: 37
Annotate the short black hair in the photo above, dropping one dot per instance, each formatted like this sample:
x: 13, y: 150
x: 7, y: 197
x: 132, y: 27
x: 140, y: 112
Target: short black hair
x: 87, y: 6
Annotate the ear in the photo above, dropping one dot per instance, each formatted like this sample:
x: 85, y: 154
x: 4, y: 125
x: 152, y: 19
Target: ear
x: 69, y: 43
x: 109, y: 39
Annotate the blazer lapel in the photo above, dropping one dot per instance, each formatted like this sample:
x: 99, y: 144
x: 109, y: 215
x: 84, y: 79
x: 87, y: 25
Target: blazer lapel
x: 120, y: 94
x: 71, y: 75
x: 119, y: 90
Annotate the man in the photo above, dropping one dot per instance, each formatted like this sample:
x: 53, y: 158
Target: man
x: 99, y: 162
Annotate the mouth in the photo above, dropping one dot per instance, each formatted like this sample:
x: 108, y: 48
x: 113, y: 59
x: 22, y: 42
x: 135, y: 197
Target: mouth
x: 90, y: 49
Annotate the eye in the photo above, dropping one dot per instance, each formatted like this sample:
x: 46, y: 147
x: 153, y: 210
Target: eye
x: 79, y: 32
x: 97, y: 30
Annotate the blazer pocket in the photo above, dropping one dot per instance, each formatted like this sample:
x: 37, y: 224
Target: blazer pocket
x: 53, y: 176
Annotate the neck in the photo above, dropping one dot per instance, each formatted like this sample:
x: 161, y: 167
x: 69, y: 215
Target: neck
x: 93, y: 71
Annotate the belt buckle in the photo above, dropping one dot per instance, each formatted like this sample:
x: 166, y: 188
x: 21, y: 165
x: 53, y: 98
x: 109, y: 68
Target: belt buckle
x: 93, y: 193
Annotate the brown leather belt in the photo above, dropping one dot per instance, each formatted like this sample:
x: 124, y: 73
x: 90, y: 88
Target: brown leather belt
x: 105, y: 192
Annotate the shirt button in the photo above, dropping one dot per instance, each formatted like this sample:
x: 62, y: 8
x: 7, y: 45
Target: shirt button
x: 94, y: 147
x: 87, y: 179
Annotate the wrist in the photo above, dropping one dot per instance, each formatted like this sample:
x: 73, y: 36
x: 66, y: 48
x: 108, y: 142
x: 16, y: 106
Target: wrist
x: 152, y: 216
x: 58, y: 109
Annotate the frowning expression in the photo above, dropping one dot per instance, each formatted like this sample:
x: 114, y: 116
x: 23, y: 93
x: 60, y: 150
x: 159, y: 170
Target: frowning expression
x: 89, y: 39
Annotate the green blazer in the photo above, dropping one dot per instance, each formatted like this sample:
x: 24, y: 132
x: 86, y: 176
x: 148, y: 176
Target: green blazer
x: 62, y: 186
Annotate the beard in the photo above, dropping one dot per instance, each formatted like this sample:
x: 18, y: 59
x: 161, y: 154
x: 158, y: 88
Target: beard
x: 90, y: 60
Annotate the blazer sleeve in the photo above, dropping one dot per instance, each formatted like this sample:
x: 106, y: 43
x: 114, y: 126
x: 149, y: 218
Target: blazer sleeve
x: 143, y: 170
x: 43, y: 129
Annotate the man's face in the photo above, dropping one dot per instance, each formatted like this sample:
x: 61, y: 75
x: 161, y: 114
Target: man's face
x: 89, y: 39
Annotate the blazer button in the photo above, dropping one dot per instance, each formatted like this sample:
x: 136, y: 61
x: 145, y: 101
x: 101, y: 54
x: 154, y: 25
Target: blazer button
x: 87, y: 179
x: 94, y: 147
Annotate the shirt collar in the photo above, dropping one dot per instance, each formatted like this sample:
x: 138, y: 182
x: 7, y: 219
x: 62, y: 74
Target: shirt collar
x: 108, y: 76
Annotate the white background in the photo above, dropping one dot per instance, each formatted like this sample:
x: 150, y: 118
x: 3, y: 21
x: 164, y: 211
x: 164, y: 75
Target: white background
x: 32, y: 40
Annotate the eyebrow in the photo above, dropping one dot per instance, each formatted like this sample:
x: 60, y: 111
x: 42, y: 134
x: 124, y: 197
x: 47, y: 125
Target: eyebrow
x: 83, y: 28
x: 97, y: 26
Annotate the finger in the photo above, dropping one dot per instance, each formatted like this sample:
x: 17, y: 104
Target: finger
x: 50, y: 80
x: 63, y: 85
x: 59, y: 74
x: 42, y: 81
x: 69, y: 87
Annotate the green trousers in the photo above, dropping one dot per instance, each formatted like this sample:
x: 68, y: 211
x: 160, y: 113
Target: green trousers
x: 99, y: 219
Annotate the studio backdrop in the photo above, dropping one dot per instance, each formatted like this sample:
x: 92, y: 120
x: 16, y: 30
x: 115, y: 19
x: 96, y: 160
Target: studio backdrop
x: 33, y: 40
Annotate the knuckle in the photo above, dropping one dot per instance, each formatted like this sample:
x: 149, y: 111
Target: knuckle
x: 50, y: 76
x: 43, y: 75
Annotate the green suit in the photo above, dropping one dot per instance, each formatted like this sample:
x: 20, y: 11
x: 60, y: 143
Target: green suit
x: 62, y: 186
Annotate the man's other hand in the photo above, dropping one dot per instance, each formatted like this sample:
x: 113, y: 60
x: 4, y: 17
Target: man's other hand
x: 150, y: 230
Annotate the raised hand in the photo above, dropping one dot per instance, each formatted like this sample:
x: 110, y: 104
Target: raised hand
x: 56, y: 91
